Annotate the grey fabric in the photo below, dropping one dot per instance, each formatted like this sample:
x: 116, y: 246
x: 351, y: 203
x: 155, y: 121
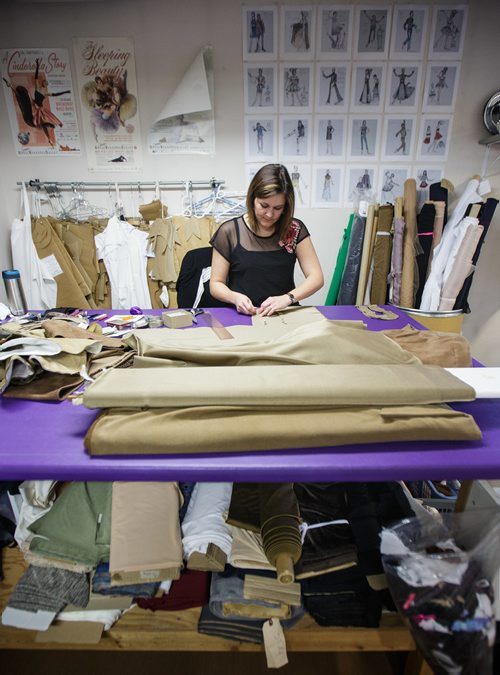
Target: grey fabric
x: 49, y: 589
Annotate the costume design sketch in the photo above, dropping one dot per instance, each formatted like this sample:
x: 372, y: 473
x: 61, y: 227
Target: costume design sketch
x: 259, y: 33
x: 448, y: 31
x: 327, y: 188
x: 296, y: 88
x: 334, y: 31
x: 435, y: 138
x: 373, y: 30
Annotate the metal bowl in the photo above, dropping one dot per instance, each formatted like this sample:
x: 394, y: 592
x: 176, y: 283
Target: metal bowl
x: 491, y: 114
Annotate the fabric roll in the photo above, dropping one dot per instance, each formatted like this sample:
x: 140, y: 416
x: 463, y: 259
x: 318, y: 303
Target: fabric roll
x: 486, y: 214
x: 333, y: 291
x: 408, y: 279
x: 460, y: 265
x: 140, y: 511
x: 425, y: 233
x: 439, y: 193
x: 327, y: 538
x: 366, y: 254
x: 349, y: 284
x: 439, y: 223
x: 284, y: 386
x: 247, y: 551
x: 279, y: 522
x: 77, y: 527
x: 472, y: 193
x: 157, y: 431
x: 244, y: 507
x: 395, y: 275
x: 382, y: 255
x: 204, y: 526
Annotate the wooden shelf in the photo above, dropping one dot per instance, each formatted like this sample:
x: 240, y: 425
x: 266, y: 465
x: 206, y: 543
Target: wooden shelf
x: 143, y: 630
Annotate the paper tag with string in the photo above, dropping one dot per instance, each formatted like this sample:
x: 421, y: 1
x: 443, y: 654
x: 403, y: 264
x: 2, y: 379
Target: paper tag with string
x: 274, y: 644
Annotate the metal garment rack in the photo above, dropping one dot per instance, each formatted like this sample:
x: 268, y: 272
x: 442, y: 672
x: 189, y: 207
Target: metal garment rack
x: 106, y: 185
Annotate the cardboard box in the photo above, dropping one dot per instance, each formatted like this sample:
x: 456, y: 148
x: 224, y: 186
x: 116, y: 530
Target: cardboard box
x: 178, y: 318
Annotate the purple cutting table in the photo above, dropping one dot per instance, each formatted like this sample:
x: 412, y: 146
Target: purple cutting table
x: 45, y: 441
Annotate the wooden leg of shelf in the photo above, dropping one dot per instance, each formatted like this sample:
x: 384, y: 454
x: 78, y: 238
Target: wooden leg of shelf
x: 417, y: 665
x: 463, y: 496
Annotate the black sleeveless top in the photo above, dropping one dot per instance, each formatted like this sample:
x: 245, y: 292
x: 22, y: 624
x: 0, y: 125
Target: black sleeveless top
x: 259, y: 267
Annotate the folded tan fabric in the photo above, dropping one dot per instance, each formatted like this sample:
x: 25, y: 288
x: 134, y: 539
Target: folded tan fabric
x: 145, y: 532
x: 317, y: 342
x: 448, y: 350
x: 277, y: 386
x: 128, y: 431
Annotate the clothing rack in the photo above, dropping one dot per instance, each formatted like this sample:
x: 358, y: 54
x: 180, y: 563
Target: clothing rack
x: 38, y: 184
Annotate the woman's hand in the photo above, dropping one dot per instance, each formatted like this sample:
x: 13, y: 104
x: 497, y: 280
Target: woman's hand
x: 274, y: 304
x: 243, y: 304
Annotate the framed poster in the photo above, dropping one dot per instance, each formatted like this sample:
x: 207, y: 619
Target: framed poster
x: 332, y: 86
x: 409, y: 32
x: 426, y: 175
x: 261, y: 138
x: 391, y: 182
x: 328, y: 186
x: 360, y: 182
x: 448, y: 32
x: 297, y: 32
x: 330, y: 133
x: 372, y: 30
x: 441, y: 86
x: 261, y: 87
x: 398, y: 138
x: 295, y: 137
x: 368, y: 87
x: 260, y: 33
x: 296, y: 88
x: 334, y: 32
x: 300, y: 175
x: 434, y: 138
x: 364, y: 137
x: 403, y: 87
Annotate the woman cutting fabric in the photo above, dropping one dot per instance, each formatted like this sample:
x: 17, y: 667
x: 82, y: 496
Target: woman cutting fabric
x: 254, y: 255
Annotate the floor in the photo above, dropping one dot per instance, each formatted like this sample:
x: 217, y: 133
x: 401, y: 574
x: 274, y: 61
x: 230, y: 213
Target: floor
x: 135, y: 663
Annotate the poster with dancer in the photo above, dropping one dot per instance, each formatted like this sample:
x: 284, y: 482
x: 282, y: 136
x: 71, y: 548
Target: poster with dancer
x: 409, y: 32
x: 364, y: 137
x: 260, y: 83
x: 391, y: 182
x: 334, y: 32
x: 295, y: 139
x: 261, y: 138
x: 332, y: 86
x: 398, y: 139
x: 441, y: 86
x: 260, y: 33
x: 448, y: 32
x: 40, y: 100
x: 434, y: 138
x: 368, y: 87
x: 403, y: 87
x: 296, y: 88
x: 107, y: 87
x: 372, y: 32
x: 425, y: 176
x: 328, y: 186
x: 297, y: 32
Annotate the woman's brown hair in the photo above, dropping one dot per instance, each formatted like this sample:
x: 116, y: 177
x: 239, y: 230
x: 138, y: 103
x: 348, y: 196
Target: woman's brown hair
x: 270, y: 180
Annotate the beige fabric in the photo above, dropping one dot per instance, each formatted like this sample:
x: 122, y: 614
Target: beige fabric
x: 247, y: 551
x: 291, y: 316
x: 145, y: 532
x: 408, y: 280
x: 448, y: 350
x: 277, y: 386
x: 382, y: 255
x: 162, y: 240
x: 318, y: 342
x: 256, y: 587
x: 226, y: 429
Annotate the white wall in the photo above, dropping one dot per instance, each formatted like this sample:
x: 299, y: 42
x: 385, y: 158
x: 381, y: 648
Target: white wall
x: 167, y: 36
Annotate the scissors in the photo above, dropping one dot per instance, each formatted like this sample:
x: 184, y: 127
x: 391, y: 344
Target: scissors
x: 195, y: 311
